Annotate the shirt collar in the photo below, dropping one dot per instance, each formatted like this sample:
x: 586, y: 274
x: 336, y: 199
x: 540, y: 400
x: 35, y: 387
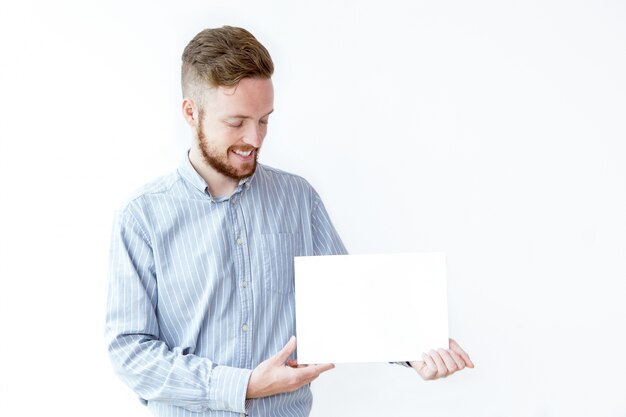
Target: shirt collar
x: 187, y: 171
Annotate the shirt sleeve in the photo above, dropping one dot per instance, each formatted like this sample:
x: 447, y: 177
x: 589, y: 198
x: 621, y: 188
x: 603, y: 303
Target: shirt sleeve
x: 406, y: 364
x: 144, y: 362
x: 326, y: 240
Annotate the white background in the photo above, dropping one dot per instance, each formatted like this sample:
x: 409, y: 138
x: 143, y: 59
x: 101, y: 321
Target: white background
x: 491, y: 130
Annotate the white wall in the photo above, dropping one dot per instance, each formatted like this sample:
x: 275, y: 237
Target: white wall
x: 491, y: 130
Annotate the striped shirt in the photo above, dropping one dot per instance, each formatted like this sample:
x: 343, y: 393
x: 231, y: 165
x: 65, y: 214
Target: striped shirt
x: 201, y: 289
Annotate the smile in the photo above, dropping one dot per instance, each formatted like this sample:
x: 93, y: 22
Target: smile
x: 243, y: 153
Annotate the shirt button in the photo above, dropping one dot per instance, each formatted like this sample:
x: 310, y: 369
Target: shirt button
x: 239, y: 241
x: 245, y: 284
x: 244, y: 327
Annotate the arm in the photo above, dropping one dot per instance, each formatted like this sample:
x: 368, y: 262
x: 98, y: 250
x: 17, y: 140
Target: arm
x: 139, y: 357
x: 326, y: 240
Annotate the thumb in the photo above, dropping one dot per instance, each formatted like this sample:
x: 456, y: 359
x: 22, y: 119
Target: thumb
x: 286, y: 351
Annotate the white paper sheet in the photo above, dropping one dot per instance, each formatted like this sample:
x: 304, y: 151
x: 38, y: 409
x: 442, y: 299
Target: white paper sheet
x: 370, y: 308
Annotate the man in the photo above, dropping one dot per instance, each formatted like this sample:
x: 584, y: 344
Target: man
x: 200, y: 315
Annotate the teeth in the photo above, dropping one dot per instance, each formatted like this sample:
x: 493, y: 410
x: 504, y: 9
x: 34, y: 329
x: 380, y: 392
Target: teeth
x: 243, y: 153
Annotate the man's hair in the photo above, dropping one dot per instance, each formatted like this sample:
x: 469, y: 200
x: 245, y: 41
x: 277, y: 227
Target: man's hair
x: 222, y: 57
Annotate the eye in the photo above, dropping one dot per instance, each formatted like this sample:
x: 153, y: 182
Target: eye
x: 234, y: 123
x: 263, y: 122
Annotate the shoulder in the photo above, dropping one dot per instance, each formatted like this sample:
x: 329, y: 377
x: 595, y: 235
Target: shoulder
x: 270, y: 174
x: 134, y: 205
x: 280, y: 186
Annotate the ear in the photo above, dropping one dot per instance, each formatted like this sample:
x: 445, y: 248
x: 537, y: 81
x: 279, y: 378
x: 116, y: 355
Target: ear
x: 190, y: 112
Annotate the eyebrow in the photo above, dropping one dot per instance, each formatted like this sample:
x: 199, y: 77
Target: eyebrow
x: 241, y: 116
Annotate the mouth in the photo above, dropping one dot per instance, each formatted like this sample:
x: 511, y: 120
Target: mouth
x: 244, y: 155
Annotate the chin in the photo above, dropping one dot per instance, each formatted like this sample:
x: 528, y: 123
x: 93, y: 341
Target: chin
x: 244, y: 172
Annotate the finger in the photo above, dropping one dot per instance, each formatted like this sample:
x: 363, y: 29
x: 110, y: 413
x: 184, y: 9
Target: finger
x: 455, y: 347
x: 282, y: 356
x: 442, y: 370
x: 426, y: 367
x: 460, y: 363
x: 311, y: 372
x: 320, y: 368
x: 448, y: 361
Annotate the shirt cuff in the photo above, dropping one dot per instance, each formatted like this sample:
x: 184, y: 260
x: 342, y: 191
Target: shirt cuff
x: 406, y: 364
x: 228, y: 387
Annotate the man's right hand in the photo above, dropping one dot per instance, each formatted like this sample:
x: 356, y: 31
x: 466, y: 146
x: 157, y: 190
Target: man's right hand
x: 277, y: 374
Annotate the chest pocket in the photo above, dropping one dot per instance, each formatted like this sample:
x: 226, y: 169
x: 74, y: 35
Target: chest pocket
x: 279, y: 250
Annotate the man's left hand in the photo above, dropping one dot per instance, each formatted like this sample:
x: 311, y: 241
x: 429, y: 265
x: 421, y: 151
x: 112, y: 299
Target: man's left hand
x: 442, y: 362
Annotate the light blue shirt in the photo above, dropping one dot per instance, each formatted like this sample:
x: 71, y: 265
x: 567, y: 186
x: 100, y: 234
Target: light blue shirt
x: 201, y: 289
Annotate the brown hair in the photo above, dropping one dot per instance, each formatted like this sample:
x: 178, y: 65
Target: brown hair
x: 222, y: 57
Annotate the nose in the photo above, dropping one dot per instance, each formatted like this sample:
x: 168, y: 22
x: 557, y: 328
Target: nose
x: 254, y: 135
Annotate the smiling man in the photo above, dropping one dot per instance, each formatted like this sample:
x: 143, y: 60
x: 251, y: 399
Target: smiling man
x: 201, y: 309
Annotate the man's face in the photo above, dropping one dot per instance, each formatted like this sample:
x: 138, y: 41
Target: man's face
x: 232, y: 125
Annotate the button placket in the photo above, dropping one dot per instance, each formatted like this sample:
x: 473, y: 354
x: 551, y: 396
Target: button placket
x: 242, y: 265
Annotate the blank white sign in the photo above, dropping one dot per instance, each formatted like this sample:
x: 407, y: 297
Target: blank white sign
x: 370, y: 308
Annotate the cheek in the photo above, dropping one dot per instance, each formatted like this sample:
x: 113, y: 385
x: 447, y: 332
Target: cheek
x: 225, y: 137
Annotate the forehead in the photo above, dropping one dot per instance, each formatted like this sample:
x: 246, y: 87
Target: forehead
x: 251, y: 96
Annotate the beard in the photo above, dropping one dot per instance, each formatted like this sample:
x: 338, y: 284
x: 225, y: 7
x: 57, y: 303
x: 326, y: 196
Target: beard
x: 218, y: 160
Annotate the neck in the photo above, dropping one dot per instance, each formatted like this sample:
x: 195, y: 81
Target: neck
x: 219, y: 184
